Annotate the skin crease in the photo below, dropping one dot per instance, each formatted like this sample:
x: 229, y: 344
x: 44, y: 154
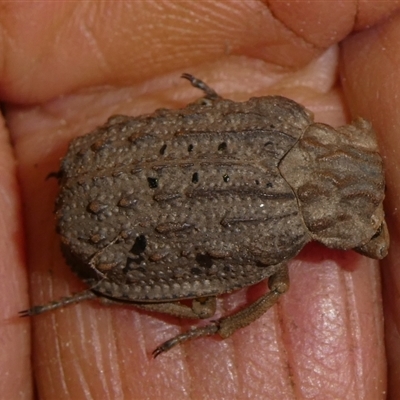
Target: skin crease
x: 60, y: 79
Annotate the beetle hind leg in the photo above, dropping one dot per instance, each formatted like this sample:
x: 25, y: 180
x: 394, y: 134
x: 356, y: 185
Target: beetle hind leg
x: 64, y: 301
x: 226, y: 326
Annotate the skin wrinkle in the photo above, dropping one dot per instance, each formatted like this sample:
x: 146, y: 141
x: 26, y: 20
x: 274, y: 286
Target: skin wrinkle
x: 356, y: 14
x: 74, y: 352
x: 95, y: 343
x: 226, y: 25
x: 3, y: 36
x: 219, y: 19
x: 83, y: 375
x: 232, y: 388
x: 376, y: 286
x: 347, y: 27
x: 88, y: 29
x: 312, y: 376
x: 232, y: 361
x: 174, y: 23
x: 293, y: 381
x: 233, y: 353
x: 118, y: 381
x: 287, y: 27
x: 164, y: 56
x: 79, y: 372
x: 355, y: 333
x: 233, y: 368
x: 349, y: 298
x: 93, y: 45
x: 82, y: 379
x: 121, y: 355
x: 115, y: 387
x: 184, y: 363
x: 11, y: 43
x: 113, y: 350
x: 34, y: 65
x: 57, y: 346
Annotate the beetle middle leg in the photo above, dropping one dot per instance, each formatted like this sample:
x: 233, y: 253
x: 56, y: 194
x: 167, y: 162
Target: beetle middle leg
x: 201, y: 308
x: 226, y: 326
x: 210, y: 93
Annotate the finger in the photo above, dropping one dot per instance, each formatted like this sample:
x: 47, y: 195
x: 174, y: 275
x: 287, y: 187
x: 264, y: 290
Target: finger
x: 119, y: 340
x: 87, y: 44
x: 372, y: 81
x: 15, y: 366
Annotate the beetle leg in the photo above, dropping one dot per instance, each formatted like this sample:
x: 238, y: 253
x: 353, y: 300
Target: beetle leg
x: 65, y: 301
x: 278, y: 284
x: 210, y: 94
x: 201, y: 308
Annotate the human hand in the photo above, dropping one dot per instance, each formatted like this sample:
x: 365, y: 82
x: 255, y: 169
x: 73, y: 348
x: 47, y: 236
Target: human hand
x: 325, y: 338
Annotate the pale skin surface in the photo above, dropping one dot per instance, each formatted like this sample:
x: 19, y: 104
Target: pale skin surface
x: 325, y: 339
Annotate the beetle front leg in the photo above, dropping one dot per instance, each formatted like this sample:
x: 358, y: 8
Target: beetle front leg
x: 226, y: 326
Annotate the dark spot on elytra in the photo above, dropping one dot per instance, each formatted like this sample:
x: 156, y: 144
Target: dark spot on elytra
x: 257, y: 182
x: 139, y: 246
x: 135, y: 255
x: 195, y: 177
x: 195, y: 271
x: 222, y: 146
x: 228, y: 268
x: 153, y: 182
x: 204, y: 260
x: 269, y: 185
x: 163, y: 148
x: 226, y: 178
x: 190, y: 148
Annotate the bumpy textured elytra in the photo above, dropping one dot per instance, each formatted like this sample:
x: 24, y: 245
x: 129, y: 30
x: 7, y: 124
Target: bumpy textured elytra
x: 219, y: 195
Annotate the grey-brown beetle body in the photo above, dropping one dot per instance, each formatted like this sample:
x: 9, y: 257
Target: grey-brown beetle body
x: 197, y: 202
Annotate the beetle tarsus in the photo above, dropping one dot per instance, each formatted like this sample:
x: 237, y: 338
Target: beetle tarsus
x: 207, y: 330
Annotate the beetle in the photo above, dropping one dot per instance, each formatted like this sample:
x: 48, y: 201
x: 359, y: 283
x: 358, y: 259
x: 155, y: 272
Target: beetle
x: 193, y: 203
